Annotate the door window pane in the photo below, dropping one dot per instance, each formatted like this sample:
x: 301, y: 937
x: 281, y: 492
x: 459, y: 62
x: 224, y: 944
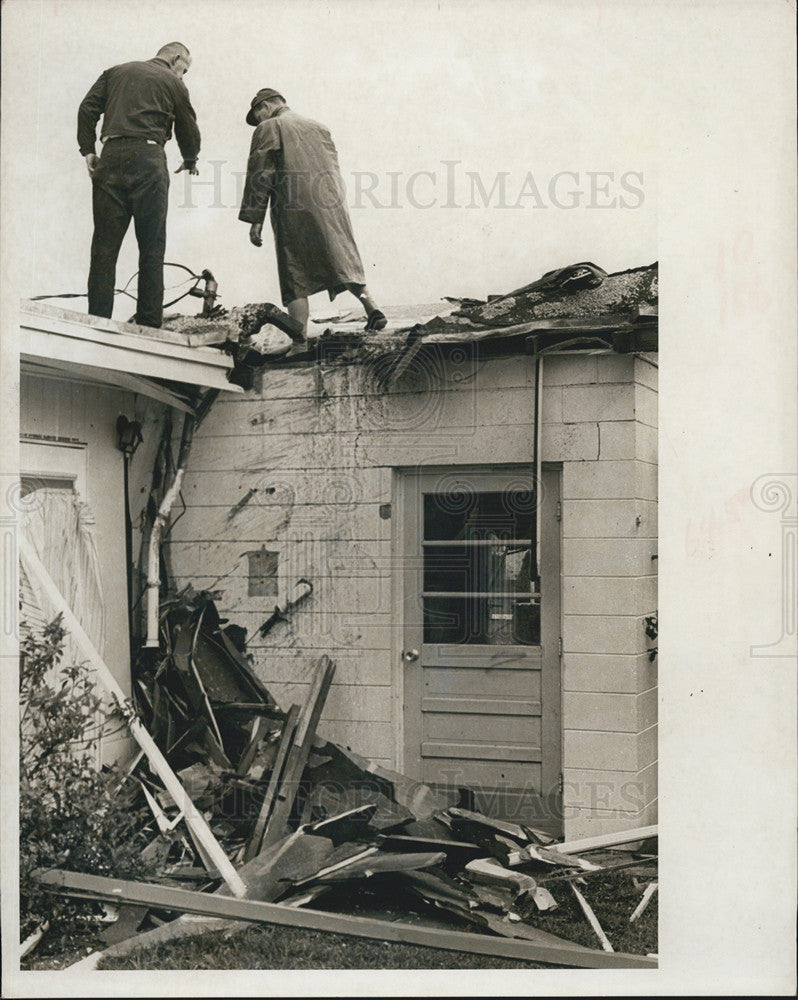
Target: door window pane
x: 479, y: 567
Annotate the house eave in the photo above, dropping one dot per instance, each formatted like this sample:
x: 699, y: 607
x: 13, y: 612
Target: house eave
x: 90, y: 348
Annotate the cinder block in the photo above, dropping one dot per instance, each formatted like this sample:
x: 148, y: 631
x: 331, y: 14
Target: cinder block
x: 449, y: 446
x: 608, y: 556
x: 646, y: 443
x: 581, y: 822
x: 646, y: 476
x: 602, y: 751
x: 647, y: 673
x: 645, y: 405
x: 646, y: 373
x: 605, y: 672
x: 345, y: 703
x: 602, y: 791
x: 603, y: 634
x: 617, y: 440
x: 569, y: 442
x: 603, y: 480
x: 561, y: 370
x: 608, y: 595
x: 611, y: 713
x: 551, y: 404
x: 647, y: 709
x: 370, y: 739
x: 615, y: 367
x: 610, y: 401
x: 647, y: 747
x: 607, y: 518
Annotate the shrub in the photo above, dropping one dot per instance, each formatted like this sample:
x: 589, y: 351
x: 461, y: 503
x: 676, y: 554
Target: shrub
x: 72, y: 814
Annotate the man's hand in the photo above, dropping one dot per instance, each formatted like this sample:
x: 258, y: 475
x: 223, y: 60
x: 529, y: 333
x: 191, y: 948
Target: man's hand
x: 191, y: 167
x: 254, y: 234
x: 92, y: 162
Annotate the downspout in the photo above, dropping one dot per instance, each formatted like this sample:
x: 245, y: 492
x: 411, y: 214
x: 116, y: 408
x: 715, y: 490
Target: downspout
x: 535, y: 581
x: 154, y: 548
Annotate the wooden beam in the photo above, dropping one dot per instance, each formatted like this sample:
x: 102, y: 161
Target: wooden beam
x: 255, y: 739
x: 286, y: 742
x: 299, y: 751
x: 649, y: 891
x: 193, y: 817
x: 605, y: 840
x: 592, y: 919
x: 214, y: 905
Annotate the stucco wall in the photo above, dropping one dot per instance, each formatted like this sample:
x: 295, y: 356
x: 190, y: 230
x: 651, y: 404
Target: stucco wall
x: 58, y: 408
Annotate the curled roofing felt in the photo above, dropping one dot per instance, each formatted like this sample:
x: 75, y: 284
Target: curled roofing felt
x: 567, y: 302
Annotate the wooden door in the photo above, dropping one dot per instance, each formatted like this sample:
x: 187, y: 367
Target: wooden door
x: 482, y: 640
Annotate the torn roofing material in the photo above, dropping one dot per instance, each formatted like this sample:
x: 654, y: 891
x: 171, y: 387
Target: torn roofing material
x: 571, y: 308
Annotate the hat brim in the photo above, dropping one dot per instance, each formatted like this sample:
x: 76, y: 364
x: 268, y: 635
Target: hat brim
x: 251, y: 119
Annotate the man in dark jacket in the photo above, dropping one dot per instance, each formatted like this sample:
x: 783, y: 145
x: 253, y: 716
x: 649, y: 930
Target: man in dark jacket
x: 294, y: 164
x: 139, y: 101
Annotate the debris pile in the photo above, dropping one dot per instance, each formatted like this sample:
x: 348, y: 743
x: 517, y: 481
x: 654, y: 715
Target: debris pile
x: 306, y: 821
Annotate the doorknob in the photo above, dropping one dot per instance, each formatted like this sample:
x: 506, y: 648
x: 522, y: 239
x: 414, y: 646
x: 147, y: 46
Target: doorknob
x: 410, y: 655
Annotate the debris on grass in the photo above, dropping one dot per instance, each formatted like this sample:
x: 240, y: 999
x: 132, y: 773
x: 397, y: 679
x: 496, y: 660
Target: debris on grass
x: 309, y: 823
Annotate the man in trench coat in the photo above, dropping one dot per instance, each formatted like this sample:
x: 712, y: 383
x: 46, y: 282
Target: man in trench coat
x: 294, y: 164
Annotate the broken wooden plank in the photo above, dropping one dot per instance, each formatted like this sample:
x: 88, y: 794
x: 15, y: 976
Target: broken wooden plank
x: 165, y: 825
x: 641, y: 906
x: 299, y: 751
x: 256, y: 837
x: 247, y: 757
x: 594, y: 870
x: 381, y: 861
x: 436, y: 885
x: 592, y: 919
x: 497, y: 825
x: 454, y: 848
x: 490, y: 872
x: 300, y: 855
x: 216, y: 905
x: 194, y: 819
x: 32, y: 940
x: 543, y: 856
x: 605, y: 840
x: 336, y: 864
x: 344, y: 826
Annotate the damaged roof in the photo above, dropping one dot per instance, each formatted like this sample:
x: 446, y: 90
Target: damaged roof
x: 577, y: 307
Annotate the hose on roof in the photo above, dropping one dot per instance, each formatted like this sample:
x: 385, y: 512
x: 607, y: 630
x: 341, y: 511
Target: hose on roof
x: 124, y: 291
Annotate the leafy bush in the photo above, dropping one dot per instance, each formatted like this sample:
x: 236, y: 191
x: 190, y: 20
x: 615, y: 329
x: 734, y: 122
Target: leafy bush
x: 652, y: 631
x: 72, y: 815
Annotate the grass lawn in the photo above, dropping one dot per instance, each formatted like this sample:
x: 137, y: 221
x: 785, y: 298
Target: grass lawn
x: 613, y: 896
x: 294, y: 948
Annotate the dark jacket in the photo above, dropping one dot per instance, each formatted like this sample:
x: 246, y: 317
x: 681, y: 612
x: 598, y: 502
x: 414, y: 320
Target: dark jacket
x: 139, y: 100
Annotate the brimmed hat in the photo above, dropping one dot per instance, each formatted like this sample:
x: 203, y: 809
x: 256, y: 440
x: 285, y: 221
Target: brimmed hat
x: 262, y: 95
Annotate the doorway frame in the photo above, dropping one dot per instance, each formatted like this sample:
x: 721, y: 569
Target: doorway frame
x: 407, y: 562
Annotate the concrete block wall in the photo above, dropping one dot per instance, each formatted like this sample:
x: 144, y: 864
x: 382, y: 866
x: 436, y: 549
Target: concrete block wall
x: 304, y: 465
x: 609, y: 568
